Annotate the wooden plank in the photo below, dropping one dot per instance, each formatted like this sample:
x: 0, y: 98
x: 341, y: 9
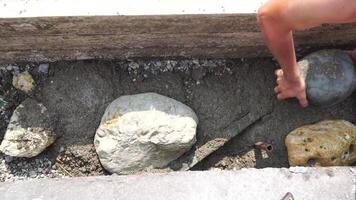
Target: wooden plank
x: 117, y: 37
x: 106, y: 25
x: 51, y: 30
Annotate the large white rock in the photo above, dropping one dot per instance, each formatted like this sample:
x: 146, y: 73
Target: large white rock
x: 30, y: 131
x: 144, y: 131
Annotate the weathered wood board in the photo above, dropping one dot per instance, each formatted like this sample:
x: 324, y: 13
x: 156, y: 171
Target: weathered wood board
x: 38, y: 39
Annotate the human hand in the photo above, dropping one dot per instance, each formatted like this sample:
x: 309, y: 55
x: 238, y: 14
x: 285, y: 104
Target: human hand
x: 290, y: 88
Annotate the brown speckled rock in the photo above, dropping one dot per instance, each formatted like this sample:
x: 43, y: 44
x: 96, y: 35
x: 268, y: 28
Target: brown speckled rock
x: 327, y: 143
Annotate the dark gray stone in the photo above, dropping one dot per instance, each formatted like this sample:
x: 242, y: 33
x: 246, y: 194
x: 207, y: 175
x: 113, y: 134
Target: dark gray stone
x: 330, y: 76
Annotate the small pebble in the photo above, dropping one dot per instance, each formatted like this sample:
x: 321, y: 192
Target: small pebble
x: 32, y: 174
x: 43, y: 68
x: 12, y: 68
x: 8, y: 159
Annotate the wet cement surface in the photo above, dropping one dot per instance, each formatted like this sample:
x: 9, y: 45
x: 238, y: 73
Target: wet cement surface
x: 230, y: 97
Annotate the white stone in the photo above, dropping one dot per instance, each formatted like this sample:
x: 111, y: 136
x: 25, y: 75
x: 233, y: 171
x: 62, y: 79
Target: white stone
x: 30, y: 131
x: 144, y: 131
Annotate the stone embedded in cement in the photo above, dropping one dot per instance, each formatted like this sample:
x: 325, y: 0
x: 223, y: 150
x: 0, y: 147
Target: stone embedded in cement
x: 23, y: 81
x: 144, y: 131
x: 43, y: 68
x: 30, y: 131
x: 327, y: 143
x: 330, y: 76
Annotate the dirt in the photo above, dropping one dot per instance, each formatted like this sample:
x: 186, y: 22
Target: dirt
x: 221, y: 92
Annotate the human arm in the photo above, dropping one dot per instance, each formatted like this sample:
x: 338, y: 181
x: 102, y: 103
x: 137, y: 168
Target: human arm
x: 279, y: 18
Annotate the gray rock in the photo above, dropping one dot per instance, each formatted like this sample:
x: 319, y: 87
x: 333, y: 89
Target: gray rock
x: 144, y: 131
x: 8, y: 158
x: 43, y: 68
x: 330, y: 76
x: 30, y: 131
x: 32, y: 174
x: 13, y: 68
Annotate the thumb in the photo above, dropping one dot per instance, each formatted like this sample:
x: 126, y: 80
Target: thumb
x: 303, y: 99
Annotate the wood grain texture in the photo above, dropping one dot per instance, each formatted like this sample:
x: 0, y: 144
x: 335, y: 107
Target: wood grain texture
x: 119, y: 37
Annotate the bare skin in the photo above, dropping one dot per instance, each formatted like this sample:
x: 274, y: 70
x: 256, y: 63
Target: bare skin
x: 279, y: 18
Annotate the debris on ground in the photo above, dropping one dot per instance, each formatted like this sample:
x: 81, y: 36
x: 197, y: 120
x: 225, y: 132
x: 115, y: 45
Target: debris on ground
x: 13, y: 168
x: 263, y: 146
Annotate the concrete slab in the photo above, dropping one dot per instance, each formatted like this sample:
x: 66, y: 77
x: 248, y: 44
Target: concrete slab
x: 270, y: 183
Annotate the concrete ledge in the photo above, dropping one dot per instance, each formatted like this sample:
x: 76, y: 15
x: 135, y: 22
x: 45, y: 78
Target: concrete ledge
x: 41, y: 8
x: 270, y: 183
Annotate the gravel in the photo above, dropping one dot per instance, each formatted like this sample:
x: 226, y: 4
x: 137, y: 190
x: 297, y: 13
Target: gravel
x: 12, y: 169
x: 140, y: 69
